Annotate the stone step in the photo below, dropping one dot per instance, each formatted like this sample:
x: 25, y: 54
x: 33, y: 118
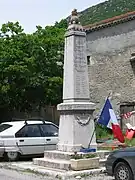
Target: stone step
x: 102, y: 162
x: 103, y: 154
x: 52, y: 163
x: 67, y: 155
x: 58, y: 155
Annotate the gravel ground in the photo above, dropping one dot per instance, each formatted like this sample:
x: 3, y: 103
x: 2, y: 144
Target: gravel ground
x: 14, y: 175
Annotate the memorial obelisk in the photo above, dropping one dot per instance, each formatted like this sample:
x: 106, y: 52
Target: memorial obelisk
x: 76, y: 112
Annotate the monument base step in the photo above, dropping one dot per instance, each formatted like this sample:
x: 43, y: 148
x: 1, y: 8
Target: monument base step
x: 54, y: 154
x: 102, y: 162
x: 58, y: 164
x: 50, y: 173
x: 52, y: 163
x: 58, y: 155
x: 61, y: 160
x: 103, y: 154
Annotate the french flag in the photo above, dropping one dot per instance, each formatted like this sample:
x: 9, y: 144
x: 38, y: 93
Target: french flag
x: 108, y: 119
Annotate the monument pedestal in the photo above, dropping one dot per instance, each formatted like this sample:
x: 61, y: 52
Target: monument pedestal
x: 75, y: 132
x: 76, y: 126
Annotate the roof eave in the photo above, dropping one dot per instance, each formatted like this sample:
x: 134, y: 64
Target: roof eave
x: 108, y: 24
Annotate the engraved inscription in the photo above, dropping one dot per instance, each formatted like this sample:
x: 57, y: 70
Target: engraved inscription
x: 80, y: 65
x: 79, y: 58
x: 81, y: 85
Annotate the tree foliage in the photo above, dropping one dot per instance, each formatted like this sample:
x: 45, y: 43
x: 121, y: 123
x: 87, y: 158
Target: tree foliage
x: 29, y: 69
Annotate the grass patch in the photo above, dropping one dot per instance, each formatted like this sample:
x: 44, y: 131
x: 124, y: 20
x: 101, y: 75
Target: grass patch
x: 130, y: 143
x: 103, y: 132
x: 106, y: 148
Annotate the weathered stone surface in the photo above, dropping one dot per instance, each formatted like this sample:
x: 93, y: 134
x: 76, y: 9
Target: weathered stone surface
x: 102, y: 162
x: 76, y: 126
x: 55, y: 154
x: 84, y: 164
x: 58, y: 155
x: 51, y: 163
x: 76, y: 106
x: 76, y: 132
x: 8, y: 172
x: 62, y: 160
x: 103, y: 153
x: 76, y: 81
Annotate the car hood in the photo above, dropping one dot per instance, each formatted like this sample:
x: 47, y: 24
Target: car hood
x: 128, y: 149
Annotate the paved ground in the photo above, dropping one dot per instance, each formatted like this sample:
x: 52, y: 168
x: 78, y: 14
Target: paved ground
x: 14, y: 175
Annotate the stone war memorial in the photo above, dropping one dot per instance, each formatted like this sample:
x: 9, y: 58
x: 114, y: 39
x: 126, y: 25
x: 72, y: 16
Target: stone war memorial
x: 76, y: 129
x: 76, y: 111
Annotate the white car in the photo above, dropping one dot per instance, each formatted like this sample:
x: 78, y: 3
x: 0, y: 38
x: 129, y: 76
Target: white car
x: 27, y: 137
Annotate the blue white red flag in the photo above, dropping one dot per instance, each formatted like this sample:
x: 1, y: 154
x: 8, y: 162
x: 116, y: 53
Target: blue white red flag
x: 108, y: 119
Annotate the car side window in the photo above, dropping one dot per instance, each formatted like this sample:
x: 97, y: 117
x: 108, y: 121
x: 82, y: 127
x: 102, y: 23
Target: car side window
x: 49, y: 130
x: 29, y: 131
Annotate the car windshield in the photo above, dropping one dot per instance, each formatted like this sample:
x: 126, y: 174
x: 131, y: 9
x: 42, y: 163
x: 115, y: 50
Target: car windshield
x: 3, y: 127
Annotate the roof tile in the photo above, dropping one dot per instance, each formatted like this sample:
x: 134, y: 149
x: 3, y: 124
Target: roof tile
x: 110, y: 22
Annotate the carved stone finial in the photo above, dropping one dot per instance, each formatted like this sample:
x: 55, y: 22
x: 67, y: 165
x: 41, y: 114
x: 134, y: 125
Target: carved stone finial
x: 74, y: 17
x: 74, y: 12
x: 74, y: 23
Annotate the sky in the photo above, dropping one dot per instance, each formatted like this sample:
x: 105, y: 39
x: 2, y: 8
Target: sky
x: 30, y: 13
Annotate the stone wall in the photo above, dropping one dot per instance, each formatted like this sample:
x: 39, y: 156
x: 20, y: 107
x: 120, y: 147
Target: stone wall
x: 110, y: 69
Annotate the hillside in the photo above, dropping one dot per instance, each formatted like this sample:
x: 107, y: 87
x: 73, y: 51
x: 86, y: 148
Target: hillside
x: 106, y: 10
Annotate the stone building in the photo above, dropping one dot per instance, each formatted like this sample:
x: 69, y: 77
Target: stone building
x: 110, y: 56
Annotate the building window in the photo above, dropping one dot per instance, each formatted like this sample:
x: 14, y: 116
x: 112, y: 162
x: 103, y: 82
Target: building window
x: 88, y: 60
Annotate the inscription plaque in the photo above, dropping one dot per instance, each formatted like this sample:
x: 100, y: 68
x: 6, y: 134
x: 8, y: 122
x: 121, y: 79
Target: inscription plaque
x: 80, y: 65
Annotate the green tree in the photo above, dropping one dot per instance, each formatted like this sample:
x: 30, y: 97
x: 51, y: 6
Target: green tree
x: 62, y: 24
x: 30, y: 71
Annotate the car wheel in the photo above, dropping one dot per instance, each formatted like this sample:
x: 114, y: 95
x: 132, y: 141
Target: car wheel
x: 12, y: 156
x: 123, y: 172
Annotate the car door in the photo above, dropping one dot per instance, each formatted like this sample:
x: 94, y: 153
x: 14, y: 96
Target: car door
x: 50, y: 133
x: 30, y: 140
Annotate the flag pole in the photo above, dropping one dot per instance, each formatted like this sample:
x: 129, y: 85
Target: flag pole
x: 93, y: 134
x: 96, y: 125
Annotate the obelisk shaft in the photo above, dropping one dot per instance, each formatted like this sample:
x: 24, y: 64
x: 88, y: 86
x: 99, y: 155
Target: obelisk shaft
x: 76, y: 83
